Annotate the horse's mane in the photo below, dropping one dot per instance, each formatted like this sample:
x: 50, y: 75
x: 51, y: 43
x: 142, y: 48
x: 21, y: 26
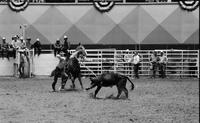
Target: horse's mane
x: 76, y: 53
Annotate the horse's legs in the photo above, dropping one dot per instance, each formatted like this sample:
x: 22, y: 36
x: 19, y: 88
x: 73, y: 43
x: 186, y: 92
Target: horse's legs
x: 79, y: 78
x: 73, y: 80
x: 64, y: 79
x: 54, y: 82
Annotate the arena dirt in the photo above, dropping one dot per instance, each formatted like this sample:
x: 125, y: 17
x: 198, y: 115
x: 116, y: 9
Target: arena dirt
x: 152, y: 101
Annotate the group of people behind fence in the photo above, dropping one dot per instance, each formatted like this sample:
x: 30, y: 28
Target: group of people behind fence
x: 8, y: 49
x: 19, y: 49
x: 157, y: 63
x: 65, y: 47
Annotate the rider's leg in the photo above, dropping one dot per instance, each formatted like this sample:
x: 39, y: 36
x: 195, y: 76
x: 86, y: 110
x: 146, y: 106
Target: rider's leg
x: 56, y: 75
x: 64, y: 78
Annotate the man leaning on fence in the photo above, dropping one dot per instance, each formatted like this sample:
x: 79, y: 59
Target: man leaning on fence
x: 154, y: 63
x: 162, y: 64
x: 128, y: 57
x: 136, y: 63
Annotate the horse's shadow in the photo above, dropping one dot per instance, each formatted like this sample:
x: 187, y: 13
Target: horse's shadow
x: 110, y: 97
x: 70, y: 90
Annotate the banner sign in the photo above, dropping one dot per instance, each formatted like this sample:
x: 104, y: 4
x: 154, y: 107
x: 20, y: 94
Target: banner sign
x: 101, y: 5
x: 18, y: 5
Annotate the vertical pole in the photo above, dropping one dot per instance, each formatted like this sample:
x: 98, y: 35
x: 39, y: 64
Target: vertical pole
x: 197, y: 64
x: 24, y: 31
x: 101, y: 62
x: 115, y: 54
x: 182, y: 63
x: 166, y: 63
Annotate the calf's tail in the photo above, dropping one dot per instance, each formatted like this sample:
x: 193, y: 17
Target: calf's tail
x: 132, y: 85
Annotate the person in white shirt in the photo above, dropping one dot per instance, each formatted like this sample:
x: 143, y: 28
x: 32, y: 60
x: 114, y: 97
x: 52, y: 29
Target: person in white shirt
x: 15, y: 42
x: 14, y: 45
x: 128, y: 58
x: 162, y: 64
x: 136, y: 63
x: 22, y: 44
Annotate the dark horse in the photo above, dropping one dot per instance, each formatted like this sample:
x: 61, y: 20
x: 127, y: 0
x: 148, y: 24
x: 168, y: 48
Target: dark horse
x: 73, y: 69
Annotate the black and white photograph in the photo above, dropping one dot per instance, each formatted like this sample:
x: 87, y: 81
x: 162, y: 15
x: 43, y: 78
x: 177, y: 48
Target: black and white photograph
x: 99, y: 61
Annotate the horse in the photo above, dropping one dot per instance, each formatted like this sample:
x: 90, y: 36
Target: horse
x: 73, y: 69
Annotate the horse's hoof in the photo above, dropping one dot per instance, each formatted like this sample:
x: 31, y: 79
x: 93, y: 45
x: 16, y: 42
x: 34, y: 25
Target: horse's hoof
x: 61, y: 89
x: 72, y: 86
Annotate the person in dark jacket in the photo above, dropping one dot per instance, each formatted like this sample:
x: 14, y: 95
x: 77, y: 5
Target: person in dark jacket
x: 66, y: 46
x: 37, y: 47
x: 4, y: 48
x: 57, y: 47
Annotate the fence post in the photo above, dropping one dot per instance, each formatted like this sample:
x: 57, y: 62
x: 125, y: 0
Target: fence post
x: 182, y: 71
x: 197, y: 63
x: 115, y: 54
x: 101, y: 61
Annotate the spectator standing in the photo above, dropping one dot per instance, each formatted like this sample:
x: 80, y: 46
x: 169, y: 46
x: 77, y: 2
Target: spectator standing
x: 4, y: 48
x: 14, y: 46
x: 22, y: 44
x: 57, y: 47
x: 28, y: 43
x: 162, y: 64
x: 128, y: 58
x: 66, y: 46
x: 21, y: 64
x: 136, y: 63
x: 11, y: 51
x: 154, y: 63
x: 37, y: 47
x: 18, y: 42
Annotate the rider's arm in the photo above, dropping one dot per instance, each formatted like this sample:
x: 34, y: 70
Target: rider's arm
x: 60, y: 57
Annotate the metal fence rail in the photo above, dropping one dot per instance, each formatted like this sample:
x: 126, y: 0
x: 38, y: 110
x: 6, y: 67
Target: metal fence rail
x: 183, y: 63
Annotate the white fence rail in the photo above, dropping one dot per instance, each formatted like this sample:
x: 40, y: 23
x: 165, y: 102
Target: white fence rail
x: 183, y: 63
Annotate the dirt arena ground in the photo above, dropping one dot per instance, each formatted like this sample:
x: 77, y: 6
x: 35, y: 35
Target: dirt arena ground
x: 152, y: 101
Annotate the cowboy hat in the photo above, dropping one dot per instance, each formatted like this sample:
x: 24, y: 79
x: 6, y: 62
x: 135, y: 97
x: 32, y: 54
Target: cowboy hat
x: 65, y: 37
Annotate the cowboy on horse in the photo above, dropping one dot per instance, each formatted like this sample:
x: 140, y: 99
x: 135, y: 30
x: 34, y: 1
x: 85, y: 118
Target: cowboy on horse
x: 72, y: 68
x: 69, y: 67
